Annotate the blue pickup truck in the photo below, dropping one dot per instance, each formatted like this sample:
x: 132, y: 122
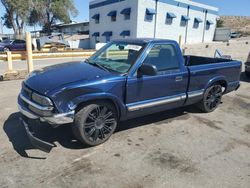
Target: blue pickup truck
x: 125, y: 79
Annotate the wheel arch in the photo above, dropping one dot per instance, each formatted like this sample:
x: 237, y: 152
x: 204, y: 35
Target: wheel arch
x: 219, y: 80
x: 90, y: 100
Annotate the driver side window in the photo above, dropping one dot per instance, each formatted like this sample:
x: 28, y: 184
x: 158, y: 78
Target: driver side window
x: 163, y: 56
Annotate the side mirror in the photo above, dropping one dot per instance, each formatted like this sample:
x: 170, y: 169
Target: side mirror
x: 147, y: 69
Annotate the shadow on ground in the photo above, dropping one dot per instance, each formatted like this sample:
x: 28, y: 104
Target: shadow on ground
x: 64, y: 136
x: 16, y: 133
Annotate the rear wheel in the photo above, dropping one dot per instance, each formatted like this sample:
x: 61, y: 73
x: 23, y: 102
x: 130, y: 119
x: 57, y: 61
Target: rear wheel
x: 54, y: 49
x: 212, y: 98
x: 95, y: 123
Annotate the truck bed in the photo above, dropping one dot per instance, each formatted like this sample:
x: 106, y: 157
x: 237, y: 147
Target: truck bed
x: 199, y: 60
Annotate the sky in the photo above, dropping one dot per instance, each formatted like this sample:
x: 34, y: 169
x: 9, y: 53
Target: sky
x: 226, y: 7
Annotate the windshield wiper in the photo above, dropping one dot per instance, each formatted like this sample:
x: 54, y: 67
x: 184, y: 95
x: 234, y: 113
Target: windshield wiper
x: 97, y: 65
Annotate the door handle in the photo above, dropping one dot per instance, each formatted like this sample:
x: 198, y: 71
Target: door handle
x: 178, y: 78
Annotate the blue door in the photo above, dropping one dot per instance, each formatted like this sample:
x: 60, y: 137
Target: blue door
x: 165, y: 90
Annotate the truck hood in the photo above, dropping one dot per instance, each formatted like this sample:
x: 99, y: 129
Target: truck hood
x: 56, y: 76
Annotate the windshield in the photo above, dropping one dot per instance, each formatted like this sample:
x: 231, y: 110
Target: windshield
x: 117, y: 56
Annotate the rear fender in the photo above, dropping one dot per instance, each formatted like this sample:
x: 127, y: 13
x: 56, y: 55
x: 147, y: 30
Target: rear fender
x: 217, y: 79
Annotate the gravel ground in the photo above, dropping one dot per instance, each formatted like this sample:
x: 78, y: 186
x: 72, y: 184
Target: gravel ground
x: 177, y: 148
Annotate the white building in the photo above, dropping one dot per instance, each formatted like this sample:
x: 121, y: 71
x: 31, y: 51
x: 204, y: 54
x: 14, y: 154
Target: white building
x: 168, y: 19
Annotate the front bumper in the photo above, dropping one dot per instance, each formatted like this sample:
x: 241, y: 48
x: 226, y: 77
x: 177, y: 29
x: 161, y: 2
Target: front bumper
x: 56, y: 119
x: 36, y: 142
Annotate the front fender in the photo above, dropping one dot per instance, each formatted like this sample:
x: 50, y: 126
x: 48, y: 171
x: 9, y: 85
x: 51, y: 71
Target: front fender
x: 120, y: 106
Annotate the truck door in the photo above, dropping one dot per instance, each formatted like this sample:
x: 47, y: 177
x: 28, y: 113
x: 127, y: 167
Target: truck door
x: 165, y: 90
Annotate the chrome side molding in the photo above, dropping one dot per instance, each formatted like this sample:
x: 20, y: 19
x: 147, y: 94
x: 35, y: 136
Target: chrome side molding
x: 195, y: 93
x: 157, y: 102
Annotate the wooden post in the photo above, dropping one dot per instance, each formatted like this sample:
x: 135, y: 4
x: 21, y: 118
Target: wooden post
x: 180, y: 40
x: 9, y: 59
x: 29, y: 52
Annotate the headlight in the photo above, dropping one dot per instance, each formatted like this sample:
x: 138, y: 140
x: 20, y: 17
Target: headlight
x: 44, y: 101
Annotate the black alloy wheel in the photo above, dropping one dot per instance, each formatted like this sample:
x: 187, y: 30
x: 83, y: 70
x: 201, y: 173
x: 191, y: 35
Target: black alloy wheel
x: 212, y: 98
x: 95, y: 123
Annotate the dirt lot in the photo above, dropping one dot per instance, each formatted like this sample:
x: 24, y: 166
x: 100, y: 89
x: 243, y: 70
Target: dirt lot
x: 178, y: 148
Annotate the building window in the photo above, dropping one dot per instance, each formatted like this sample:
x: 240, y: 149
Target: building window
x: 112, y: 14
x: 97, y: 39
x: 108, y: 38
x: 126, y: 12
x: 113, y: 18
x: 107, y: 35
x: 96, y: 35
x: 208, y: 24
x: 96, y: 17
x: 170, y: 17
x: 126, y: 16
x: 197, y: 22
x: 149, y: 14
x: 184, y: 20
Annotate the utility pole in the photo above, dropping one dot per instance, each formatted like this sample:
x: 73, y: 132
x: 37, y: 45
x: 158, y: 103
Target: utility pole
x: 187, y: 22
x: 156, y: 13
x: 204, y: 28
x: 1, y: 24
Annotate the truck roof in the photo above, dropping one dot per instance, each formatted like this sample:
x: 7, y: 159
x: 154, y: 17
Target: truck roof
x: 144, y: 40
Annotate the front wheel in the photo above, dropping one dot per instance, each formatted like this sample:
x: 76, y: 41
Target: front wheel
x: 95, y: 123
x: 211, y: 99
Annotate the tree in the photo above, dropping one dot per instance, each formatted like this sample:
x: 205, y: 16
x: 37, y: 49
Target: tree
x: 220, y: 23
x: 31, y: 12
x: 48, y: 12
x: 17, y: 13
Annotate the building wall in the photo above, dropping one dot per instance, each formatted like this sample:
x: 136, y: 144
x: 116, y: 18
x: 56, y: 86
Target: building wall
x: 145, y: 27
x: 116, y: 27
x: 195, y: 35
x: 209, y: 33
x: 139, y: 26
x: 166, y: 29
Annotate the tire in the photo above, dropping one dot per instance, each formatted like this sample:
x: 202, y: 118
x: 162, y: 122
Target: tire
x: 54, y: 49
x: 95, y: 123
x: 6, y: 49
x: 211, y: 99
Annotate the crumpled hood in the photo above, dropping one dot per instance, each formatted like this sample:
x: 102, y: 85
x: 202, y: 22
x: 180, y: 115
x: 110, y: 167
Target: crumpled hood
x: 53, y: 77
